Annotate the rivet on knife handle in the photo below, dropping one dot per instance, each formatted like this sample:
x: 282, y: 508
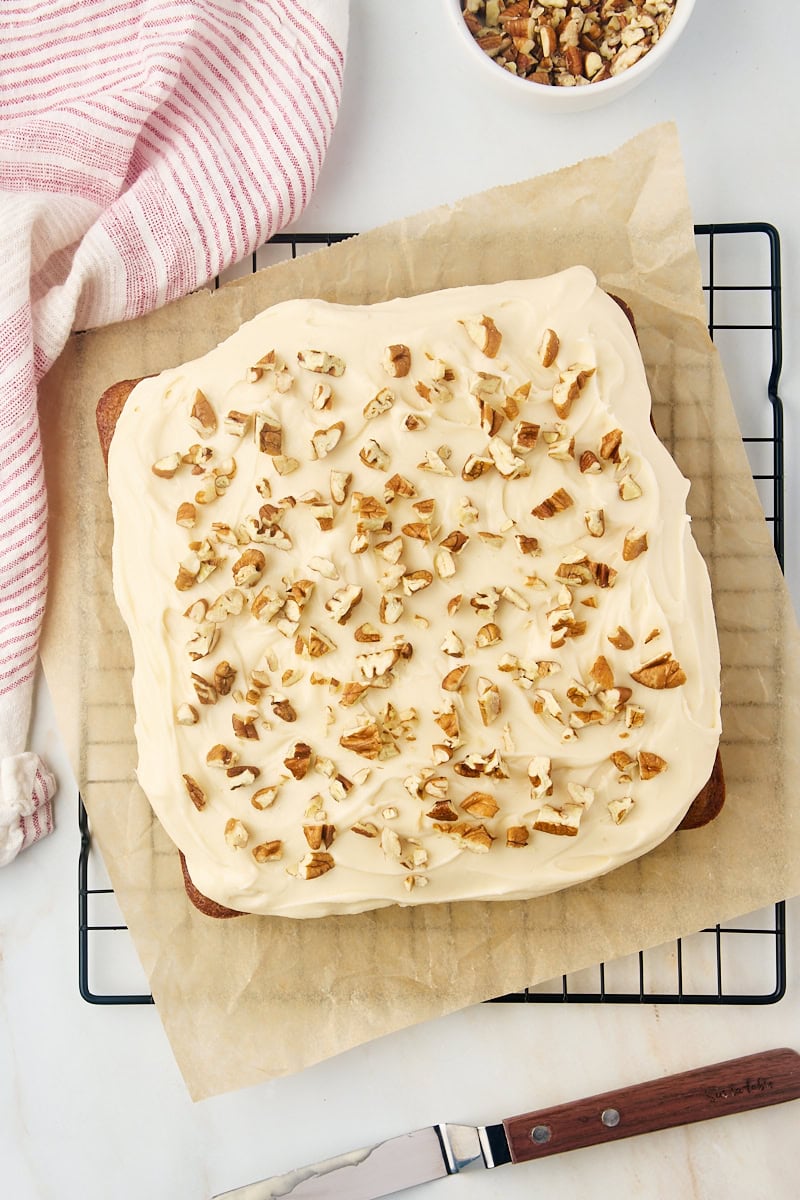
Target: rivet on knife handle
x: 755, y: 1081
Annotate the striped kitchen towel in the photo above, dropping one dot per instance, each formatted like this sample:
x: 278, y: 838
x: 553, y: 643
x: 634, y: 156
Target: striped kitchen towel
x: 145, y: 145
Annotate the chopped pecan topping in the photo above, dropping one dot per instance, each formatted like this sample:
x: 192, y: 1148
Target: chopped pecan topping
x: 539, y: 776
x: 206, y: 692
x: 283, y: 709
x: 595, y: 522
x: 600, y: 672
x: 454, y: 680
x: 316, y: 863
x: 484, y: 333
x: 548, y: 347
x: 187, y: 714
x: 224, y: 675
x: 242, y: 776
x: 186, y: 516
x: 620, y: 808
x: 248, y: 569
x: 236, y: 834
x: 339, y: 484
x: 166, y: 467
x: 517, y: 836
x: 202, y: 416
x: 236, y: 423
x: 480, y: 804
x: 488, y: 635
x: 660, y: 673
x: 321, y: 362
x: 629, y: 489
x: 589, y: 463
x: 268, y: 851
x: 621, y: 639
x: 570, y: 385
x: 245, y: 726
x: 364, y: 740
x: 312, y: 643
x: 442, y: 811
x: 321, y: 396
x: 380, y: 403
x: 318, y: 836
x: 635, y: 544
x: 489, y: 703
x: 455, y: 541
x: 476, y: 465
x: 524, y: 436
x: 563, y: 821
x: 506, y: 462
x: 396, y: 361
x: 325, y: 440
x: 365, y: 829
x: 372, y: 454
x: 650, y: 764
x: 468, y: 836
x: 558, y: 502
x: 610, y: 445
x: 196, y: 793
x: 299, y: 761
x: 268, y: 434
x: 221, y: 756
x: 526, y: 544
x: 415, y: 581
x: 435, y: 462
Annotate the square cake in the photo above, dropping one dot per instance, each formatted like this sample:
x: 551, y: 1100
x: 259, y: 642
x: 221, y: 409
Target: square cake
x: 416, y: 611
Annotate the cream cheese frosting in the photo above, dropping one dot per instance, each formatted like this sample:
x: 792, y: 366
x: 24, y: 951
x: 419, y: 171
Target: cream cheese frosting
x: 416, y: 611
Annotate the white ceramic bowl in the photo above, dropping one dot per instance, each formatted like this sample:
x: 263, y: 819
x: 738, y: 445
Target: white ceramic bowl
x: 569, y: 99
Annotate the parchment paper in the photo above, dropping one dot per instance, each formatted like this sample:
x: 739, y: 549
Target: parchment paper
x: 252, y: 998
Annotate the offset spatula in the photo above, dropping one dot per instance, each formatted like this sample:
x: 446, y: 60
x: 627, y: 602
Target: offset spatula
x: 754, y: 1081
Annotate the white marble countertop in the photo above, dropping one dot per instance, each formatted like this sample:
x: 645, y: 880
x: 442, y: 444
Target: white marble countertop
x: 91, y: 1103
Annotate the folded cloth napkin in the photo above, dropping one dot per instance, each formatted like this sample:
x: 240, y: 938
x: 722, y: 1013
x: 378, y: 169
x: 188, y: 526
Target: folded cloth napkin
x: 145, y: 145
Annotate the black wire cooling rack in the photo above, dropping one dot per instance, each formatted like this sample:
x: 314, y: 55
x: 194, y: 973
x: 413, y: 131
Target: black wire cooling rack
x: 742, y: 962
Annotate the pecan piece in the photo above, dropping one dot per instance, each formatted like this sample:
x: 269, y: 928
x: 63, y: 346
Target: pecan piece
x: 321, y: 362
x: 364, y: 740
x: 517, y: 836
x: 635, y: 544
x: 484, y: 333
x: 558, y: 502
x: 299, y: 761
x: 268, y: 434
x: 660, y: 673
x: 380, y: 403
x: 316, y: 863
x: 165, y: 468
x: 480, y: 804
x: 268, y: 851
x: 283, y: 709
x: 396, y: 361
x: 202, y: 416
x: 196, y: 793
x: 325, y: 440
x: 236, y: 834
x: 318, y: 836
x: 650, y: 764
x: 248, y: 569
x: 548, y: 347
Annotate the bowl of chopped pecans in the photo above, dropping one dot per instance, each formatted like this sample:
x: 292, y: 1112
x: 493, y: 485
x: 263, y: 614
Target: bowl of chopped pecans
x: 569, y: 55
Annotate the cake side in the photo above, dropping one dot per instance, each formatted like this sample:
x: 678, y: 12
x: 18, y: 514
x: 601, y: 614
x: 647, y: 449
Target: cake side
x: 498, y: 809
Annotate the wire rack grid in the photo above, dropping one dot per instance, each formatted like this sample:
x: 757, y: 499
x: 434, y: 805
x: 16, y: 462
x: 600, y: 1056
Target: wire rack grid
x: 741, y: 962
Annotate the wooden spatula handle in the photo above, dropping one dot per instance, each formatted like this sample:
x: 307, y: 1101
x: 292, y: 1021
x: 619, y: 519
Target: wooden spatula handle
x: 754, y: 1081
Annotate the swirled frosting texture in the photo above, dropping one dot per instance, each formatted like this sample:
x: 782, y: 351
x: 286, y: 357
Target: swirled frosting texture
x: 378, y: 776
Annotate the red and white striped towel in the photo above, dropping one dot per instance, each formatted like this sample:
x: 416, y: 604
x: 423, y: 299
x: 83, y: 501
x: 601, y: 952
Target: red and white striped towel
x: 145, y: 145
